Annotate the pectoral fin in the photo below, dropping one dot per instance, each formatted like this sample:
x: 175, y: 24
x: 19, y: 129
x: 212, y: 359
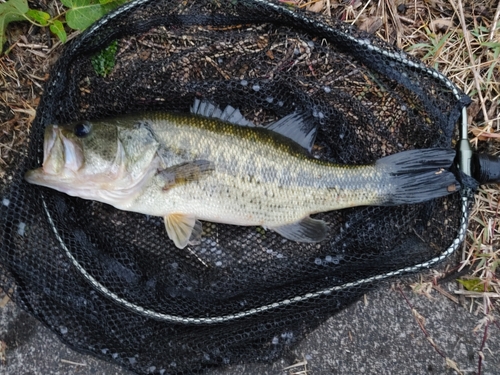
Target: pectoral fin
x: 305, y: 230
x: 183, y: 229
x: 185, y: 172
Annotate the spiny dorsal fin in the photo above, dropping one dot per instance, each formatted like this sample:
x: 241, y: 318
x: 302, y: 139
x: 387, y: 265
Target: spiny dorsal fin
x: 296, y: 126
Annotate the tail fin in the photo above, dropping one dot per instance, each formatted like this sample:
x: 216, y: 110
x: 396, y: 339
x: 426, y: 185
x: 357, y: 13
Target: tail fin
x: 418, y: 175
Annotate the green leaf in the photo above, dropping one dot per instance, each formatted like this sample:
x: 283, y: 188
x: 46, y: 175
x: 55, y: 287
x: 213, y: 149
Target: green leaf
x: 83, y: 13
x: 472, y: 285
x: 491, y: 45
x: 109, y: 5
x: 11, y: 11
x: 38, y: 16
x: 67, y: 3
x: 104, y: 61
x: 20, y: 5
x: 479, y: 31
x: 494, y: 266
x: 57, y: 28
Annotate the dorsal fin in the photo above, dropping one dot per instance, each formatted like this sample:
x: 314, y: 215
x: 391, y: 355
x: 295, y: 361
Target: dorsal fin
x: 229, y: 114
x: 297, y: 126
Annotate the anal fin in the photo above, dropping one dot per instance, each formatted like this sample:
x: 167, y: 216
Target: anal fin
x: 305, y: 230
x: 183, y: 229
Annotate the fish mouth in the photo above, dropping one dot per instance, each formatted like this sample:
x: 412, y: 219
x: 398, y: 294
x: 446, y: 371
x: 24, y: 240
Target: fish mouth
x: 62, y: 158
x: 61, y: 154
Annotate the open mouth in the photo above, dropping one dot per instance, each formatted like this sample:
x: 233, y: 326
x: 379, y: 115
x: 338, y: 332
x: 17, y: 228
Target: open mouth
x: 60, y: 154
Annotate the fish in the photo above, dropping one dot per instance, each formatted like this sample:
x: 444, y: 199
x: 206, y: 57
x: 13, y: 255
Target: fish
x: 214, y: 165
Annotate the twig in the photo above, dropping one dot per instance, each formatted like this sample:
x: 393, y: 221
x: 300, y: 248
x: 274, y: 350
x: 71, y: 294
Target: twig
x: 361, y: 12
x: 302, y: 371
x: 495, y: 22
x: 397, y: 23
x: 483, y: 342
x: 303, y: 363
x: 73, y: 363
x: 420, y: 323
x: 328, y: 8
x: 477, y: 78
x: 32, y: 45
x: 445, y: 293
x: 472, y: 294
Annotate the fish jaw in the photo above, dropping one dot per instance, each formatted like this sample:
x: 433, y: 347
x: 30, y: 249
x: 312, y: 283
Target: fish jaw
x: 62, y: 159
x: 62, y: 156
x: 64, y: 166
x: 40, y: 177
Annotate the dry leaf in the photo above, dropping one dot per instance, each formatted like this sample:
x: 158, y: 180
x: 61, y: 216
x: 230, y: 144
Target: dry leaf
x: 452, y: 364
x: 371, y: 24
x: 441, y: 24
x: 485, y: 133
x: 317, y: 7
x: 3, y: 357
x: 472, y: 111
x: 6, y: 298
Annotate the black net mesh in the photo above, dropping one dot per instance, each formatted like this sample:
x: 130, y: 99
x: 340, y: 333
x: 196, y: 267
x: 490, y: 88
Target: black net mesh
x: 110, y: 282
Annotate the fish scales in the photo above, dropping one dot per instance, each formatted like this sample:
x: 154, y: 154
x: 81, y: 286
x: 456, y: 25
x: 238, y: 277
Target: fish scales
x: 257, y: 179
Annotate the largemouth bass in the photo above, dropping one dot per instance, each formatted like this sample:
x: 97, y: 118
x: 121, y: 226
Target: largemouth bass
x: 214, y: 165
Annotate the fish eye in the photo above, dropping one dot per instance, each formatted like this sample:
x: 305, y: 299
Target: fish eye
x: 82, y: 129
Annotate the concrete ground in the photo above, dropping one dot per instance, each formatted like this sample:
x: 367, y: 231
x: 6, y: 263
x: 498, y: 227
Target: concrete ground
x: 376, y: 335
